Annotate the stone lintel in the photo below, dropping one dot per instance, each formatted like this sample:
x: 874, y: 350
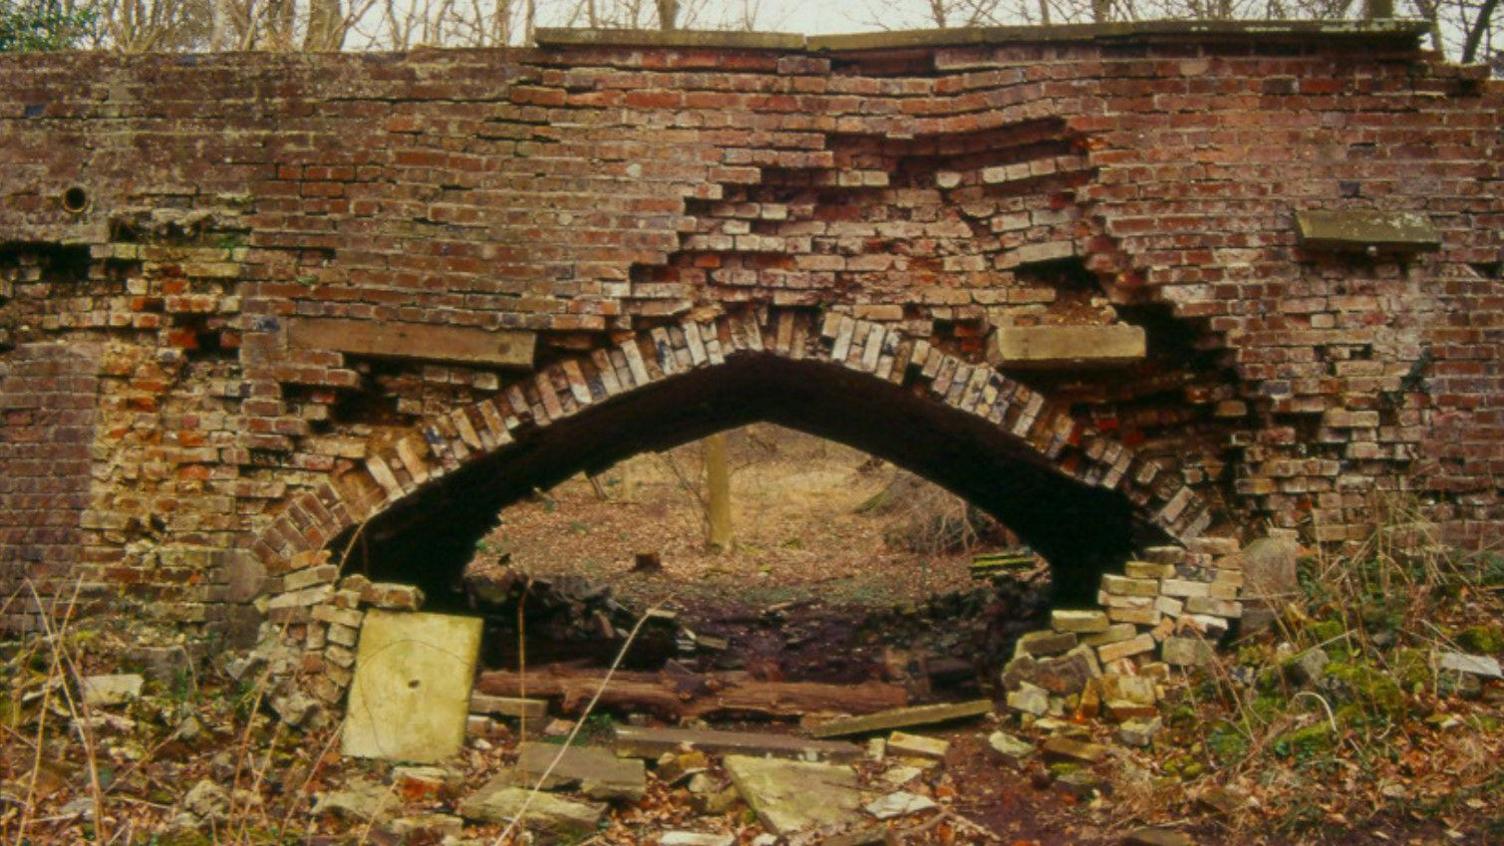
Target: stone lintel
x: 691, y: 38
x: 1361, y: 229
x: 455, y: 344
x: 1042, y: 347
x: 1393, y: 32
x: 1405, y: 32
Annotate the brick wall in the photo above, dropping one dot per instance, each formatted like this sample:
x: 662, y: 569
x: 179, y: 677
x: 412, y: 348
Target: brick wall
x: 583, y: 196
x: 47, y: 403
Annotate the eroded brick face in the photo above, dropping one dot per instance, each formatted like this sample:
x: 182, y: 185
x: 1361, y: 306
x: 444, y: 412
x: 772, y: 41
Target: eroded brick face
x: 600, y: 200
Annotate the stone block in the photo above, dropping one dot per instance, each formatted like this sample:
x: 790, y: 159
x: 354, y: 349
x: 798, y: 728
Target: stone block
x: 1078, y: 621
x: 1133, y: 646
x: 1187, y: 652
x: 793, y: 796
x: 1126, y: 586
x: 422, y: 341
x: 1051, y: 347
x: 411, y: 692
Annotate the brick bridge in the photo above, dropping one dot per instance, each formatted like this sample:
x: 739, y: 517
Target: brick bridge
x: 1117, y: 285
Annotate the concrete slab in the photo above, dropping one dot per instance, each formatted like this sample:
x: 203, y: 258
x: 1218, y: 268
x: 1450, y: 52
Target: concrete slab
x: 411, y: 691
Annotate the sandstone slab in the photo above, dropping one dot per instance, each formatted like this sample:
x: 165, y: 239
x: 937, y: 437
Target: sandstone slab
x: 793, y: 796
x: 411, y: 692
x: 598, y: 772
x: 107, y: 690
x: 500, y: 801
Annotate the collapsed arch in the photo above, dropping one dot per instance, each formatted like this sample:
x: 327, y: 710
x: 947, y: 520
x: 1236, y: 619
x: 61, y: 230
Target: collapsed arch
x: 1081, y: 498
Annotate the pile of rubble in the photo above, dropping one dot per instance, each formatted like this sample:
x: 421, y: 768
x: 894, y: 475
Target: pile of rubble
x: 686, y: 786
x: 1168, y: 610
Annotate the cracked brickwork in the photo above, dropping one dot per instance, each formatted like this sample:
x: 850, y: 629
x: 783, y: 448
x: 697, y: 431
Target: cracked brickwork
x: 620, y: 211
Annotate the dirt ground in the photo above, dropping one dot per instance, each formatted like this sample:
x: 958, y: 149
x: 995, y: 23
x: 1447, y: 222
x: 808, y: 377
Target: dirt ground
x: 800, y: 529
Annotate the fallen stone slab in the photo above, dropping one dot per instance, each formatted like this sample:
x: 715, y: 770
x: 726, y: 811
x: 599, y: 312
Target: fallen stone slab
x: 1139, y: 731
x: 358, y: 800
x: 792, y: 796
x: 1013, y: 748
x: 633, y: 742
x: 1081, y: 784
x: 900, y: 775
x: 508, y: 706
x: 692, y: 838
x: 599, y: 773
x: 917, y: 746
x: 1477, y: 665
x: 919, y: 715
x: 426, y: 828
x: 899, y: 804
x: 1029, y: 699
x: 500, y: 801
x: 410, y: 697
x: 106, y: 690
x: 1074, y: 750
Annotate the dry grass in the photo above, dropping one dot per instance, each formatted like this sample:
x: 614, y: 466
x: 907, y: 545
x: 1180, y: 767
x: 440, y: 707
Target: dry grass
x: 1383, y: 738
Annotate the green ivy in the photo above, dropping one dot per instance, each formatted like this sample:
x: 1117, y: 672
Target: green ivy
x: 32, y: 26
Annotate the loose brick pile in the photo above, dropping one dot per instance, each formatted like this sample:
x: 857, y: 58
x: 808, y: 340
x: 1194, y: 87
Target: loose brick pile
x: 631, y: 211
x: 1169, y: 610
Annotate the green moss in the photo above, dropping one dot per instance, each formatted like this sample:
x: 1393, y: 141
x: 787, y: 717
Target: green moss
x: 1369, y: 686
x: 1304, y: 743
x: 1265, y: 708
x: 1227, y: 744
x: 1482, y: 638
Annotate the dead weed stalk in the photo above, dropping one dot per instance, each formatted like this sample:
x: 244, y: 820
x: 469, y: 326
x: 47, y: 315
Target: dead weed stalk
x: 579, y: 724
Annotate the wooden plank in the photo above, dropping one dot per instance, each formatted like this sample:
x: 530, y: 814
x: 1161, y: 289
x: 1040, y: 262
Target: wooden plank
x: 919, y: 715
x: 425, y: 342
x: 508, y: 706
x: 633, y: 742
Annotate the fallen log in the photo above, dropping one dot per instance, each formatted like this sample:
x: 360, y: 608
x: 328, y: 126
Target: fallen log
x: 679, y: 695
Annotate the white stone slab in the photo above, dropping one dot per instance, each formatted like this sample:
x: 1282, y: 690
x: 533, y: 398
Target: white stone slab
x: 411, y: 691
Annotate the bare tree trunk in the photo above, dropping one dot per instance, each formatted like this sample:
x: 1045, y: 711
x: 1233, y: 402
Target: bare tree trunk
x: 326, y: 26
x: 668, y: 14
x: 718, y: 493
x: 1480, y: 26
x: 1100, y: 10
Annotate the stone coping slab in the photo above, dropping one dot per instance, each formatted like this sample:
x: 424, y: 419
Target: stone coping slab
x: 1361, y: 229
x: 1396, y: 31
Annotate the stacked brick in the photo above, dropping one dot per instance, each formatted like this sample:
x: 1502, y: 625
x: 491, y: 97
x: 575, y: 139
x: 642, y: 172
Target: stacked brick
x: 47, y: 419
x: 1168, y: 610
x: 314, y: 613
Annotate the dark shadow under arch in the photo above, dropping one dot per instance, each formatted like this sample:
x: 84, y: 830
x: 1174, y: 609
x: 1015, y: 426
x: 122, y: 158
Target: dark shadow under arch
x: 427, y: 537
